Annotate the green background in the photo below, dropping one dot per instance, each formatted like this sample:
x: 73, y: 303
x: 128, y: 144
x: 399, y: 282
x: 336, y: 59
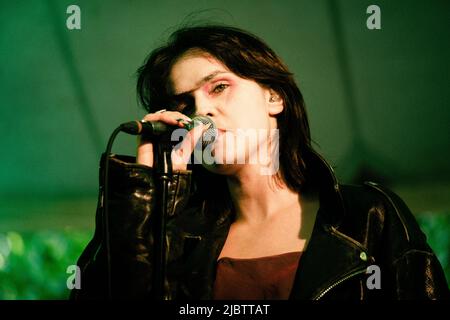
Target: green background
x: 378, y: 102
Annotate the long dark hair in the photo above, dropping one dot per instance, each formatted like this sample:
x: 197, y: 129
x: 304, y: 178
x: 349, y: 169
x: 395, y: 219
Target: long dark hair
x: 248, y: 57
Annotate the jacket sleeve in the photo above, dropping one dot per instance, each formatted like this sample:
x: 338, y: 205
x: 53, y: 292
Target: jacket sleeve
x: 131, y: 198
x: 413, y: 270
x: 419, y: 276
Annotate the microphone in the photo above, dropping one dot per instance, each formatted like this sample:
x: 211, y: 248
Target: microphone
x: 154, y: 129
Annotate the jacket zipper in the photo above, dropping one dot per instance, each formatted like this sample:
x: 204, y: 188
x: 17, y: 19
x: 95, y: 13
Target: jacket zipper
x: 352, y: 274
x: 335, y: 284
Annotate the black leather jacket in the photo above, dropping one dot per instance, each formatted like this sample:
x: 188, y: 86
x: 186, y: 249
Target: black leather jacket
x: 356, y: 227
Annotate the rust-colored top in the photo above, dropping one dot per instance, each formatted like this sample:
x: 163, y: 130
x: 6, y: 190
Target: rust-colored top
x: 269, y: 278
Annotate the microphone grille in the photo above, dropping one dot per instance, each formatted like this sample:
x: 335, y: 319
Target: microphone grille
x: 209, y: 136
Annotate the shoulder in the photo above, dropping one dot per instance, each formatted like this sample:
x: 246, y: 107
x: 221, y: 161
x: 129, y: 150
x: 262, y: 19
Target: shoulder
x: 391, y: 234
x: 373, y: 208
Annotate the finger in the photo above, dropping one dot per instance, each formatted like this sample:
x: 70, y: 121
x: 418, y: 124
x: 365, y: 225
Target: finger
x: 192, y: 137
x: 174, y: 118
x: 180, y: 115
x: 168, y: 117
x: 183, y: 153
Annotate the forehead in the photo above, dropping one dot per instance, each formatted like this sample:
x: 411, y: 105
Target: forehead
x: 192, y: 67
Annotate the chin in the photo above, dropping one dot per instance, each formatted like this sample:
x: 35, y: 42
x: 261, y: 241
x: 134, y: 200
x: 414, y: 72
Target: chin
x: 223, y: 169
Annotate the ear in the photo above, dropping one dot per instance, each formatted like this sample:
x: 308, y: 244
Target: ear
x: 275, y: 102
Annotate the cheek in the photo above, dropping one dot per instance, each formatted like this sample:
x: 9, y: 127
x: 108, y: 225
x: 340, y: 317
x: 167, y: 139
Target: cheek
x: 246, y: 99
x: 244, y: 107
x: 253, y: 111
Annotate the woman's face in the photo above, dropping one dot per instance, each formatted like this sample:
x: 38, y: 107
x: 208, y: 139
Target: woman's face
x: 239, y: 107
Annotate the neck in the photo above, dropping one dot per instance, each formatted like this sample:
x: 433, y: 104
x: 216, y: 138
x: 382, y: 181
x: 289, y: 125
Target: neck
x: 257, y: 197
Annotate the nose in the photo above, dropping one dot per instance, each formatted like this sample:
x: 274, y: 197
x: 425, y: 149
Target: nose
x: 204, y: 106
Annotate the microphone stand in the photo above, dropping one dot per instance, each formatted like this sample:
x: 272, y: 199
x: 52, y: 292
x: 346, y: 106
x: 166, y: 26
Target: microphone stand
x: 162, y: 173
x: 163, y: 176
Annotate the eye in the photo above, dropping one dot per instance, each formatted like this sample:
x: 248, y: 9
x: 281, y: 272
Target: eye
x: 219, y: 88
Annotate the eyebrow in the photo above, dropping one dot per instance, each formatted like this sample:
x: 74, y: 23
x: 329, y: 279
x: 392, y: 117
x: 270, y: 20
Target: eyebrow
x: 201, y: 82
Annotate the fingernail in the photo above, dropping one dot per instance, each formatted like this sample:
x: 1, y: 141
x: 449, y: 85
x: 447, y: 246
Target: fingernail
x: 184, y: 122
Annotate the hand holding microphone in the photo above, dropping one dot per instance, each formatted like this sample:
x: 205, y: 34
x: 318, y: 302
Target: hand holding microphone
x: 155, y: 124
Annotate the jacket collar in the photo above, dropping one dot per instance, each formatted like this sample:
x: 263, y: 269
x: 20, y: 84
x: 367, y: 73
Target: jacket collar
x: 331, y: 256
x: 329, y: 189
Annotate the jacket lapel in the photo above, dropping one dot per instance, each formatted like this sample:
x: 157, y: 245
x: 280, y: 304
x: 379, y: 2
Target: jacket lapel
x: 330, y: 258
